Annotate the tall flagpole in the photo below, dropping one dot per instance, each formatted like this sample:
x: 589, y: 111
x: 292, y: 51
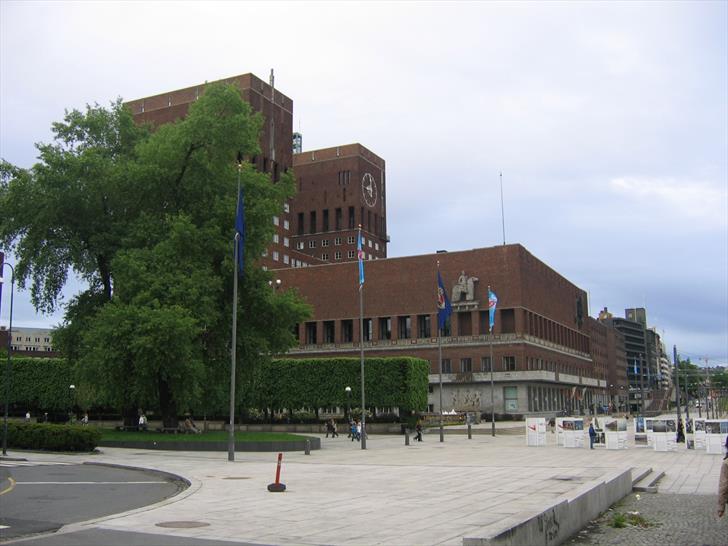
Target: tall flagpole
x: 439, y: 355
x: 361, y: 340
x: 503, y: 214
x: 231, y: 430
x: 492, y: 364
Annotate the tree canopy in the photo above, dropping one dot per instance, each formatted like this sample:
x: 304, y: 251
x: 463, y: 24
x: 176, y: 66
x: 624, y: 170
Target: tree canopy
x: 147, y: 219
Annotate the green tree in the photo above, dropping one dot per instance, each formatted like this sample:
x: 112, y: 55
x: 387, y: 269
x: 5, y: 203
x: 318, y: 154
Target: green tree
x: 146, y: 218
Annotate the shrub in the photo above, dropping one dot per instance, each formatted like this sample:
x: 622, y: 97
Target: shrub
x: 50, y: 437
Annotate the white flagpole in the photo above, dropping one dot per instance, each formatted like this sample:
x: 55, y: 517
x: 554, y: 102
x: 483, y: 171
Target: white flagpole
x: 361, y: 350
x: 439, y: 355
x: 231, y: 430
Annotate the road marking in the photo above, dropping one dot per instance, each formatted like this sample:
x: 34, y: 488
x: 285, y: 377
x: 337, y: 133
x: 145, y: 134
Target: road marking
x: 12, y: 464
x: 87, y: 483
x: 10, y: 488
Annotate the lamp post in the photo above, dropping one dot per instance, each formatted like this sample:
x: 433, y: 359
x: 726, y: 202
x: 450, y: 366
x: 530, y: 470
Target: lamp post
x: 348, y: 405
x: 7, y: 365
x: 71, y: 392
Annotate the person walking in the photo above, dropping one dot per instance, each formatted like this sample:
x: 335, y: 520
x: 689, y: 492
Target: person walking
x: 592, y: 435
x: 723, y: 484
x: 358, y: 431
x: 352, y: 431
x: 329, y: 429
x: 418, y: 430
x: 334, y: 433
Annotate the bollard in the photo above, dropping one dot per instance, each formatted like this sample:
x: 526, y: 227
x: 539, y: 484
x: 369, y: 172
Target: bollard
x: 470, y: 431
x: 308, y: 447
x: 406, y: 438
x: 277, y: 487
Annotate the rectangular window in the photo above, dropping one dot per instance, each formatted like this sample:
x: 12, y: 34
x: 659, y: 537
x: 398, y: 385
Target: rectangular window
x: 286, y: 225
x: 276, y: 221
x: 325, y: 220
x: 300, y: 223
x: 510, y: 398
x: 312, y: 221
x: 310, y: 333
x: 312, y: 243
x: 367, y: 326
x: 509, y: 363
x: 286, y: 207
x: 370, y: 243
x: 423, y: 326
x: 300, y: 245
x: 352, y: 219
x: 275, y: 238
x: 376, y: 246
x: 347, y: 331
x: 404, y: 327
x: 337, y: 241
x: 328, y: 331
x: 337, y: 219
x: 369, y: 220
x: 325, y: 256
x: 385, y: 328
x: 485, y: 363
x: 466, y: 365
x: 446, y: 365
x: 325, y: 242
x: 286, y: 242
x: 351, y: 240
x: 337, y: 255
x: 275, y: 255
x: 286, y: 259
x: 350, y: 254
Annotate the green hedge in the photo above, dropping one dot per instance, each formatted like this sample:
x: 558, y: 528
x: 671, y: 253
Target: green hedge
x: 39, y: 384
x: 52, y: 437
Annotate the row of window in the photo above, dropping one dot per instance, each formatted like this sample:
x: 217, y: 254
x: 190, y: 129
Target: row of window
x: 508, y: 364
x: 404, y: 329
x: 31, y: 348
x: 276, y: 257
x: 37, y: 340
x: 277, y: 222
x: 368, y: 219
x: 351, y: 254
x: 301, y: 245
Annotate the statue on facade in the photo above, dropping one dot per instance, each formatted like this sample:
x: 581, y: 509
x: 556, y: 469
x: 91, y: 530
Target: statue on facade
x: 465, y: 286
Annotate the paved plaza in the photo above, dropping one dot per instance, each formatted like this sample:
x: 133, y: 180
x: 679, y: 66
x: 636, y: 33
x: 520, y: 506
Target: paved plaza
x: 427, y: 493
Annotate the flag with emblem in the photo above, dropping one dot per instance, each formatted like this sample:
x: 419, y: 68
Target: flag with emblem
x: 444, y: 309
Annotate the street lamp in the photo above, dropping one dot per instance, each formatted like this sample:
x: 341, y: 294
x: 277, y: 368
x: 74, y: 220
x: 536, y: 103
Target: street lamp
x: 7, y: 365
x: 348, y: 404
x: 71, y: 391
x: 275, y: 284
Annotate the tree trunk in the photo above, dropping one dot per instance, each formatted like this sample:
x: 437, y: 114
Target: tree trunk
x: 167, y: 405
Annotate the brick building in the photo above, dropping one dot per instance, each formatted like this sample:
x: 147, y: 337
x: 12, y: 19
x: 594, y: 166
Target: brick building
x: 541, y: 343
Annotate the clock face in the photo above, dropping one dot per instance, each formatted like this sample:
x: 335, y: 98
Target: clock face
x: 369, y: 189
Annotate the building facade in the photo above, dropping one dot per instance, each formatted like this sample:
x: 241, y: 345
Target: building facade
x: 540, y: 347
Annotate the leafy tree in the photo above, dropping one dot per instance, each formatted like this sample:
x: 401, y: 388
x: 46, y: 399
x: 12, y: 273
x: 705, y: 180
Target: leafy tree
x: 146, y: 218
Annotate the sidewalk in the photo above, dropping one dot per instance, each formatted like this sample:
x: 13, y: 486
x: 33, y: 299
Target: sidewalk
x: 428, y: 493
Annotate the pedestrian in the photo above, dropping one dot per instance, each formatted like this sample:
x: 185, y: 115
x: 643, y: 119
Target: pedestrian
x: 142, y: 422
x: 723, y: 484
x: 358, y: 431
x: 592, y: 435
x: 680, y: 433
x: 328, y: 429
x: 352, y: 431
x: 27, y: 417
x: 84, y: 419
x: 334, y: 434
x: 418, y: 430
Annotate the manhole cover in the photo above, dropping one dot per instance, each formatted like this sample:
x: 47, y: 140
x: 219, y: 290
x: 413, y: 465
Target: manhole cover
x: 237, y: 478
x: 182, y: 524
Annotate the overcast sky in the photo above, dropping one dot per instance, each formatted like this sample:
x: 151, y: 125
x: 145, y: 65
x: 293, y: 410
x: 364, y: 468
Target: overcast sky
x: 609, y: 122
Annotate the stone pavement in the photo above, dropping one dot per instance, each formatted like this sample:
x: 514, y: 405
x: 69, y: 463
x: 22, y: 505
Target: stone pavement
x: 675, y: 520
x: 428, y: 493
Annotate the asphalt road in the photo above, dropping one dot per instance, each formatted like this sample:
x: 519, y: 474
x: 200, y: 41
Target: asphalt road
x: 41, y: 498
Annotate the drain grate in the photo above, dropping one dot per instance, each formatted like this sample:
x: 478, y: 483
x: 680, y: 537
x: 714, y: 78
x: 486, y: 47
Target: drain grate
x: 182, y: 524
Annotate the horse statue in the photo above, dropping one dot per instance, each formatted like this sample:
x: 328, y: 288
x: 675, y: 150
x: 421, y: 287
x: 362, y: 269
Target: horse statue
x: 464, y: 286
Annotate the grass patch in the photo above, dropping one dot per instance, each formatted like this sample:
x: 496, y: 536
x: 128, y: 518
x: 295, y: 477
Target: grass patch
x: 632, y: 519
x: 113, y: 435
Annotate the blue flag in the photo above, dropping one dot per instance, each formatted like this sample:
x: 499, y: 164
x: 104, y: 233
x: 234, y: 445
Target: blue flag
x: 444, y: 309
x: 492, y: 302
x: 360, y: 255
x: 240, y: 229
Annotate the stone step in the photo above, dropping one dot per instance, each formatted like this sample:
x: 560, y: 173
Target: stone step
x: 647, y: 482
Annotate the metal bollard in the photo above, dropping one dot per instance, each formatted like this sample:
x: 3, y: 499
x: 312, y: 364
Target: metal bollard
x: 406, y: 438
x: 470, y: 431
x: 308, y: 447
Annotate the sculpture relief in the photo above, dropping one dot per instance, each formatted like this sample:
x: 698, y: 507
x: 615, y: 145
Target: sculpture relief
x: 464, y: 287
